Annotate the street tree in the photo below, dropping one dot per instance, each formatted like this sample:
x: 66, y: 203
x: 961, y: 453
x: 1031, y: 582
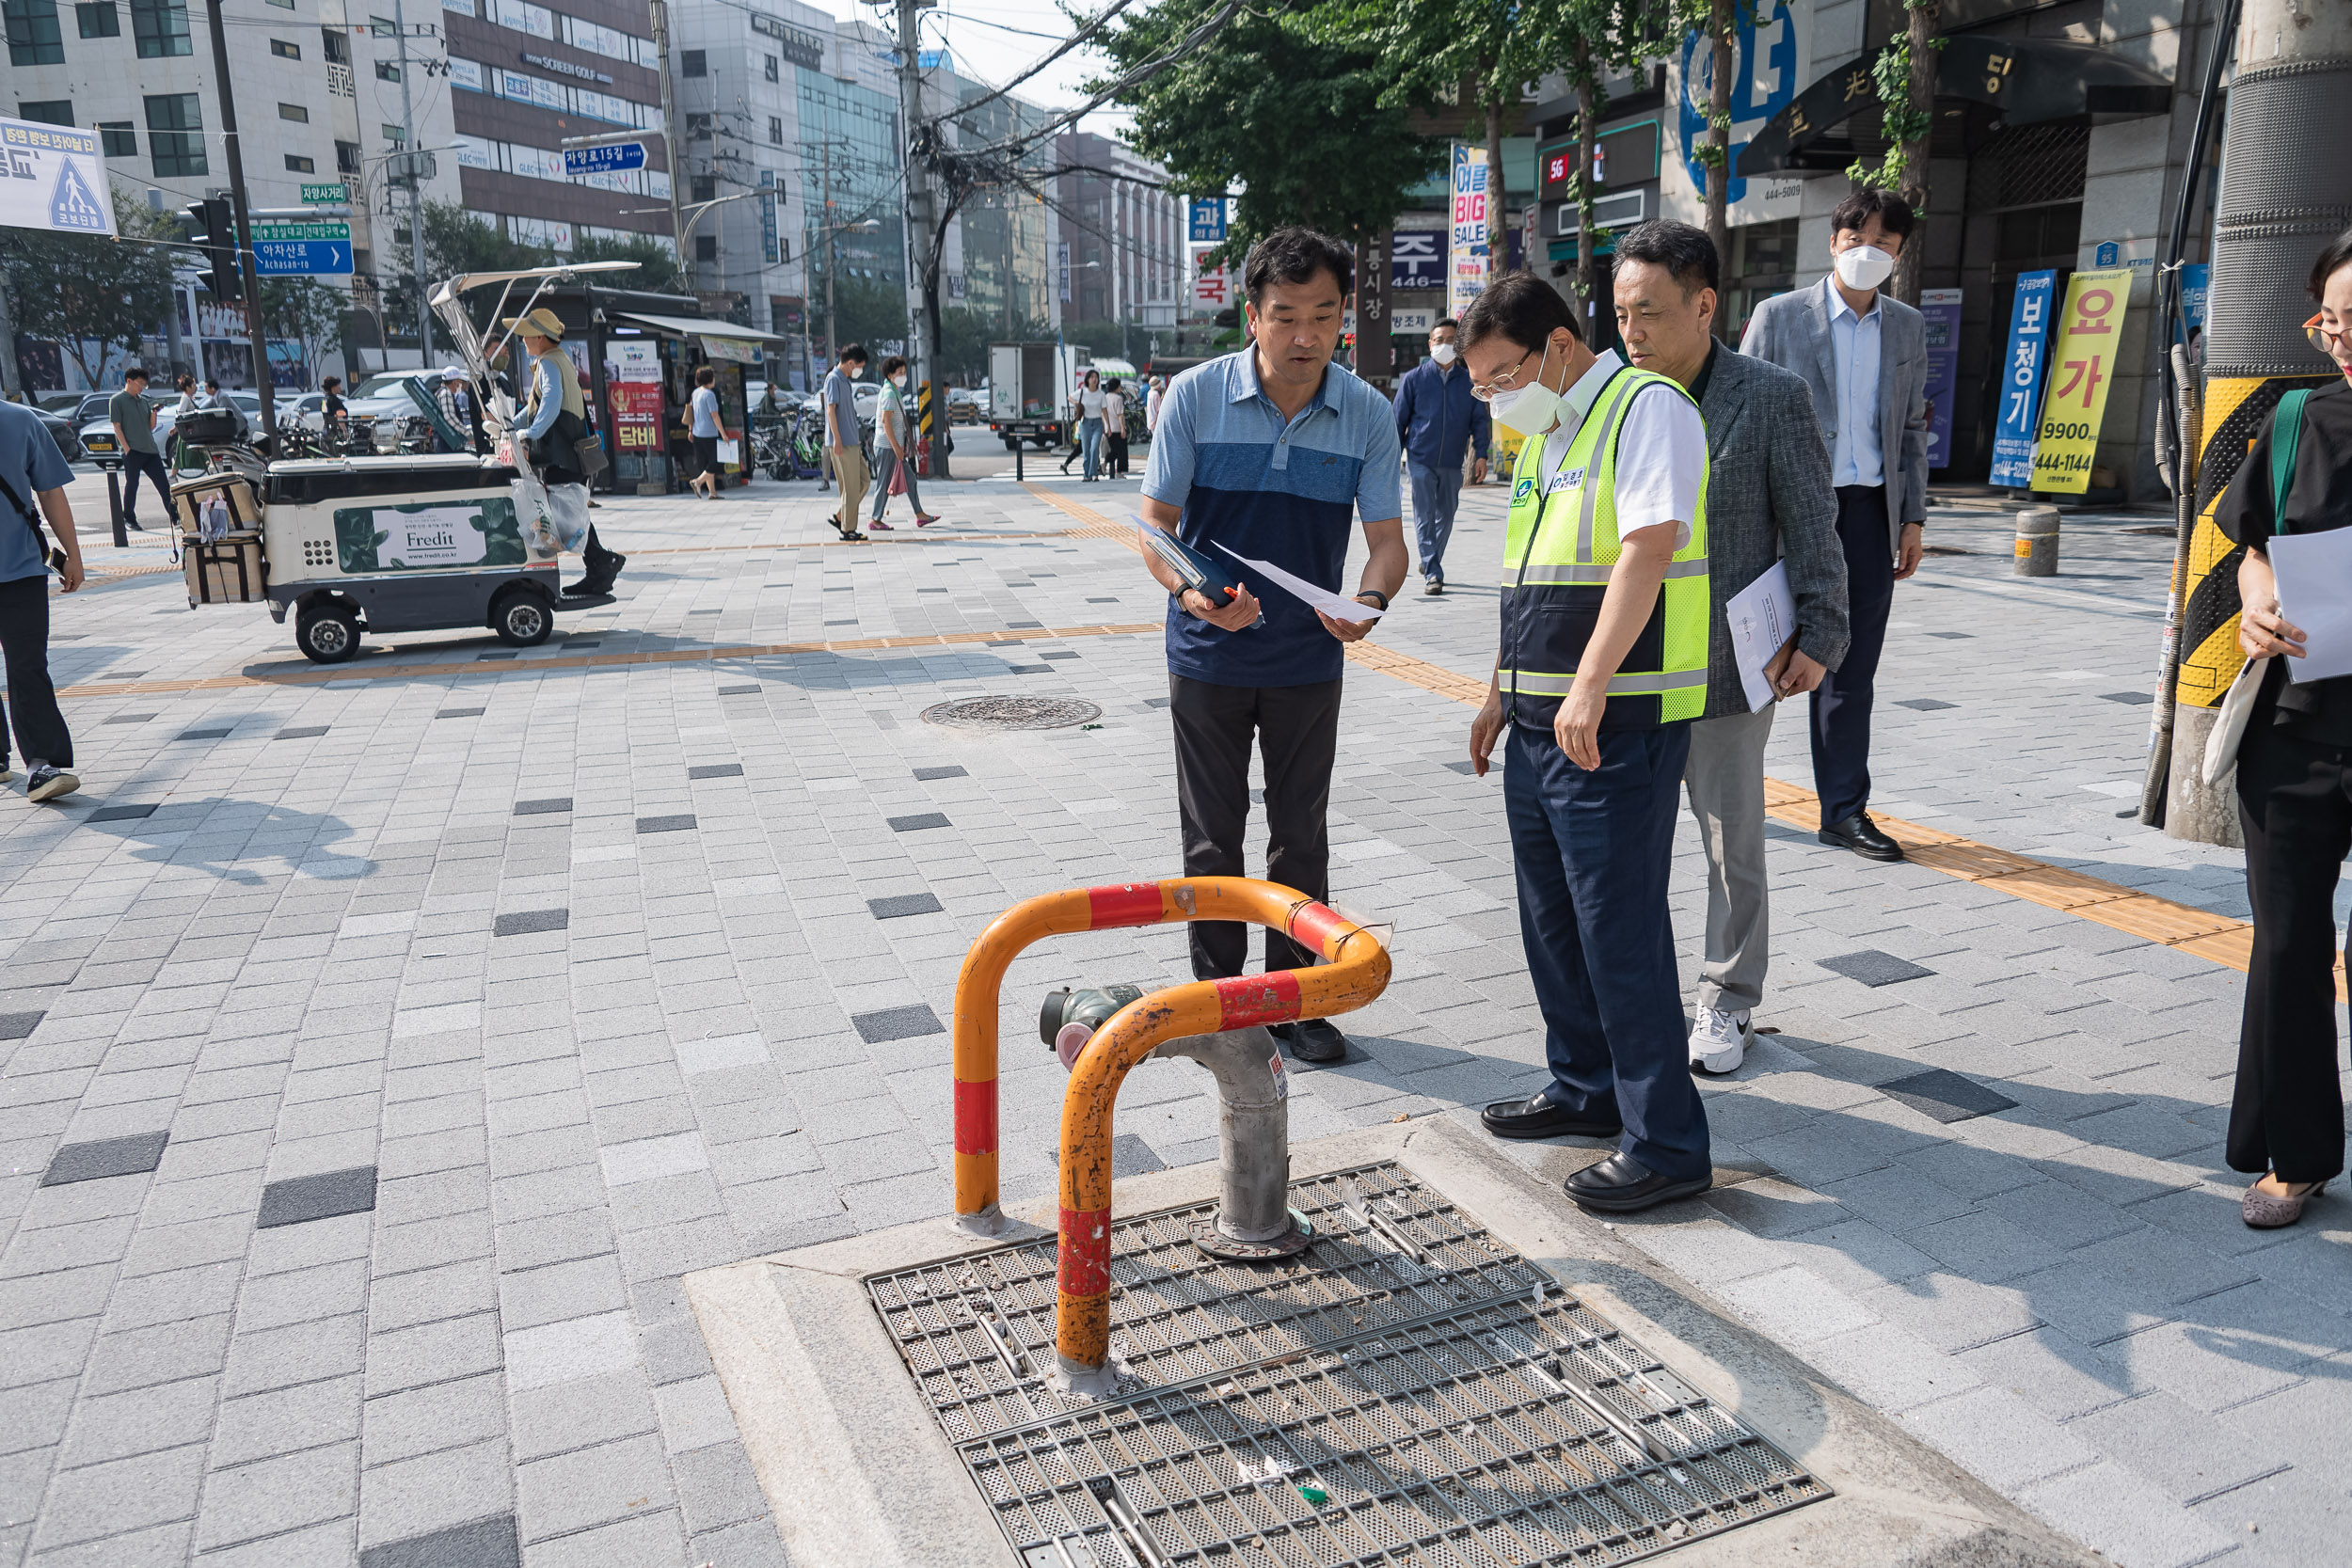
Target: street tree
x: 658, y: 271
x: 97, y: 297
x: 1904, y: 75
x: 307, y: 313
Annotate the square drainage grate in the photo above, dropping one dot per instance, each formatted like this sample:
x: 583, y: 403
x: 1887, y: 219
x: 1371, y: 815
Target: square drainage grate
x: 1873, y: 968
x: 1350, y: 1405
x: 1946, y: 1095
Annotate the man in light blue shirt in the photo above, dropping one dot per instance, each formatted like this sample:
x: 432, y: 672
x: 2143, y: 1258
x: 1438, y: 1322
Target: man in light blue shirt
x: 33, y: 474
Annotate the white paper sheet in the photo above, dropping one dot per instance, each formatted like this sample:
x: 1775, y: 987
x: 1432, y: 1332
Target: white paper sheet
x: 1337, y: 606
x: 2314, y: 572
x: 1762, y: 617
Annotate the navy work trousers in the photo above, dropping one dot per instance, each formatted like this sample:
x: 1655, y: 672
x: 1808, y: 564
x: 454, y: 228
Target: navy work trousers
x: 1592, y: 851
x: 1437, y: 492
x: 1842, y: 704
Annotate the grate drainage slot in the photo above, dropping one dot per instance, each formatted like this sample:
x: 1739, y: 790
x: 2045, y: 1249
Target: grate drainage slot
x: 1350, y: 1406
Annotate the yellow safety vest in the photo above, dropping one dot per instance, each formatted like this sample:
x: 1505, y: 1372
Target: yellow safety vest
x: 1558, y: 550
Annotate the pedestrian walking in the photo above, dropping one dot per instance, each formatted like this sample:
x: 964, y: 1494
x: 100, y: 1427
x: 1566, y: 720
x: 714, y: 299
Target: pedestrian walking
x: 894, y: 455
x: 334, y: 418
x: 2294, y: 789
x: 1438, y: 420
x: 708, y: 429
x: 1087, y: 408
x: 1768, y: 499
x: 1113, y: 431
x: 1602, y: 667
x: 1269, y: 451
x: 33, y: 472
x: 134, y: 420
x: 1152, y: 406
x: 1865, y: 358
x: 181, y: 410
x: 555, y: 423
x: 841, y: 437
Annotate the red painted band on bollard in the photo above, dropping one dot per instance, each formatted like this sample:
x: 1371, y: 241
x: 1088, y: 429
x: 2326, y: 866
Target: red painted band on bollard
x: 1130, y: 904
x: 975, y: 1116
x: 1084, y: 1263
x: 1248, y: 999
x: 1315, y: 925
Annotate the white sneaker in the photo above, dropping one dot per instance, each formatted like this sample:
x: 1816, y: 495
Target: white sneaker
x: 1720, y: 1040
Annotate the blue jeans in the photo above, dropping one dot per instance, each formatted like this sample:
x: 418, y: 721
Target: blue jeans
x: 1090, y: 445
x: 1435, y: 494
x: 1592, y: 852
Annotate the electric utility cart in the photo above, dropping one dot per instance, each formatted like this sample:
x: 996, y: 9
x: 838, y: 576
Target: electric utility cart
x: 406, y: 542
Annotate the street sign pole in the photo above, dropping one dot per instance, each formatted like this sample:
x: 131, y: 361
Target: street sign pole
x: 253, y: 325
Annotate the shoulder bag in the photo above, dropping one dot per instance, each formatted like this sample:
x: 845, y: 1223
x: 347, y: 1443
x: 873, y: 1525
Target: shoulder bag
x: 53, y: 556
x: 2229, y: 725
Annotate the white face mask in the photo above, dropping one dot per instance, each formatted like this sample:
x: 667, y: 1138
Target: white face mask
x: 898, y: 381
x: 1864, y: 266
x: 1530, y: 409
x: 1441, y: 353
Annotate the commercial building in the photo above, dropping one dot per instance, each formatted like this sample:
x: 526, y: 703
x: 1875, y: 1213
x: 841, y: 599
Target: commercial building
x: 1121, y: 237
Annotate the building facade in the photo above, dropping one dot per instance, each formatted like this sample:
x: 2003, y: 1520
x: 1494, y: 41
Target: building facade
x: 1124, y: 236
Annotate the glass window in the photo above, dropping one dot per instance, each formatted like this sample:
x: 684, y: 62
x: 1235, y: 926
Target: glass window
x: 692, y: 62
x: 160, y: 26
x: 705, y: 247
x: 392, y: 135
x: 34, y: 38
x: 386, y: 70
x: 175, y: 133
x: 771, y: 68
x: 48, y: 111
x: 99, y: 19
x: 297, y: 164
x: 285, y: 51
x: 294, y: 112
x: 347, y: 157
x: 337, y: 47
x: 121, y: 138
x: 776, y: 130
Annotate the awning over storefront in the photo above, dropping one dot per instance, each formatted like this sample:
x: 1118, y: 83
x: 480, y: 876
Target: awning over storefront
x: 721, y: 340
x: 2029, y: 81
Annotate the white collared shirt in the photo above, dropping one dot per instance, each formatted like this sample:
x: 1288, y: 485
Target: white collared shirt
x: 1661, y: 451
x: 1858, y: 455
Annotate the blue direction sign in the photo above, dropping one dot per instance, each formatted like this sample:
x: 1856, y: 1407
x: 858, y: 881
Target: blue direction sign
x: 301, y: 249
x: 604, y: 160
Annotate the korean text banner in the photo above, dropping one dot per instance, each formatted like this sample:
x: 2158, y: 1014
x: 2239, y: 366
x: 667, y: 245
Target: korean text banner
x: 1941, y: 310
x: 1469, y: 246
x: 2021, y: 379
x: 52, y: 177
x: 2081, y: 369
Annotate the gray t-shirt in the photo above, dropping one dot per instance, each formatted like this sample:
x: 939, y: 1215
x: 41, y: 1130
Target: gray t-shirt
x: 136, y: 417
x: 841, y: 397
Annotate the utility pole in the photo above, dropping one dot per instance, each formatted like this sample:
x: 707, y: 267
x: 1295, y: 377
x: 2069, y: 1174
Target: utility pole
x: 414, y: 162
x: 833, y: 258
x: 923, y: 348
x: 660, y: 18
x: 253, y: 325
x: 2271, y: 217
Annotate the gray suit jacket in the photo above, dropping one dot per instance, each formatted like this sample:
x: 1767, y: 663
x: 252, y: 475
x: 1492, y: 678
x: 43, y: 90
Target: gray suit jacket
x: 1768, y: 498
x: 1792, y: 331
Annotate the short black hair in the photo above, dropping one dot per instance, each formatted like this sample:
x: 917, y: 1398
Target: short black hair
x: 1686, y: 253
x: 1444, y: 322
x: 134, y: 373
x: 893, y: 365
x: 1294, y: 255
x: 1521, y: 307
x: 2331, y: 261
x: 705, y: 376
x: 332, y: 380
x: 1858, y: 209
x: 854, y: 353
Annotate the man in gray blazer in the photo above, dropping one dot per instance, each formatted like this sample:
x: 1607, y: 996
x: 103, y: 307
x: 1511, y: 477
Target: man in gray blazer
x: 1768, y: 498
x: 1865, y: 357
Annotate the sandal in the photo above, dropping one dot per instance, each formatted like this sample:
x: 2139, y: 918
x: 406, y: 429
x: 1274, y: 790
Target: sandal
x: 2263, y: 1211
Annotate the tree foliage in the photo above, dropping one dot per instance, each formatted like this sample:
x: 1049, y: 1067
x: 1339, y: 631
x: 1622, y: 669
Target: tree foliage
x: 657, y: 262
x: 93, y: 295
x: 307, y: 311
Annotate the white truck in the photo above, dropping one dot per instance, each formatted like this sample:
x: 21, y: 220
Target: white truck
x: 1030, y: 387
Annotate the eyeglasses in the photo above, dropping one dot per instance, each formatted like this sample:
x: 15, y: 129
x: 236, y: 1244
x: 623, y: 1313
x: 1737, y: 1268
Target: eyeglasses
x: 1506, y: 380
x: 2328, y: 339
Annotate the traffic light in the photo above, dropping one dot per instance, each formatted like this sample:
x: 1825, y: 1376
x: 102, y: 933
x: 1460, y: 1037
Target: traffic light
x: 216, y: 231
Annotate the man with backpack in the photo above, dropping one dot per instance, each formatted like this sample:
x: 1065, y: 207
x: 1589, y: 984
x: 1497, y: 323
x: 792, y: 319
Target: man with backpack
x: 31, y: 466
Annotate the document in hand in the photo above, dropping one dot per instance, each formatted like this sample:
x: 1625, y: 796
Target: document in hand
x: 1196, y: 571
x: 1337, y: 606
x: 2314, y: 572
x: 1763, y: 621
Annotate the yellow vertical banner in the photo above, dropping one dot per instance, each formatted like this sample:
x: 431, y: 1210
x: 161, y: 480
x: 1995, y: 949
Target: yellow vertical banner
x: 2081, y: 367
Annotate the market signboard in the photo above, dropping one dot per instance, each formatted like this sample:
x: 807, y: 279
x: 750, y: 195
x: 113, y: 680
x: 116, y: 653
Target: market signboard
x: 1468, y: 245
x: 2082, y: 369
x: 55, y: 180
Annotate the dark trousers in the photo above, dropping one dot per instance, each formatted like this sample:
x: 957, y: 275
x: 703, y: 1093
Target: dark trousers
x: 1297, y: 731
x: 1115, y: 448
x: 2295, y: 800
x: 1436, y: 495
x: 32, y: 701
x: 598, y: 560
x: 1842, y: 704
x: 1591, y: 852
x: 151, y: 465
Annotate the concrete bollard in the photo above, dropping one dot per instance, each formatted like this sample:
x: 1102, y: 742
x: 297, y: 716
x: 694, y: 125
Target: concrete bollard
x: 2037, y: 541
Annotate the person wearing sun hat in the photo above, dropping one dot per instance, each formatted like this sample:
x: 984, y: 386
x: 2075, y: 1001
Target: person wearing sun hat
x: 555, y: 409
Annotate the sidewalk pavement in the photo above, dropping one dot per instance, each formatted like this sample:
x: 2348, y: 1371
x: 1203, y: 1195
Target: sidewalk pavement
x: 437, y: 1022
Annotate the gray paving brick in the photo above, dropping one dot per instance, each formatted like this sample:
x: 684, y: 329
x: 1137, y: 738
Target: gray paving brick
x: 425, y: 1421
x: 274, y: 1496
x: 588, y: 1487
x: 286, y: 1420
x: 435, y: 1492
x: 752, y: 1545
x: 118, y: 1496
x: 716, y: 1487
x: 564, y: 1417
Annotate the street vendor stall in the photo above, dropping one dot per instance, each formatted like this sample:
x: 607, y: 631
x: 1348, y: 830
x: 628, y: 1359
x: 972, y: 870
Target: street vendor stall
x: 648, y: 355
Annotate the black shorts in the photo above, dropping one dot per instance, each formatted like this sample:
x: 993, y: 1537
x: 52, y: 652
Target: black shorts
x: 707, y: 453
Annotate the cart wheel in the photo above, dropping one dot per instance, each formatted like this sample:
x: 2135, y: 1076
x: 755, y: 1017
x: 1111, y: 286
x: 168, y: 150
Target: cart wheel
x: 326, y: 634
x: 522, y: 619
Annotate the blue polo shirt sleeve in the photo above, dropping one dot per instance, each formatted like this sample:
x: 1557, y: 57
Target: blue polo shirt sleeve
x: 1167, y: 473
x: 30, y: 462
x: 1378, y: 486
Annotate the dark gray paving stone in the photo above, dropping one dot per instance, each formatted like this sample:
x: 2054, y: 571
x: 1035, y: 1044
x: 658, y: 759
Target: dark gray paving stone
x: 483, y: 1544
x: 903, y: 903
x: 134, y: 1155
x: 921, y: 820
x: 851, y: 622
x: 897, y: 1023
x: 702, y: 612
x: 682, y: 823
x: 459, y: 713
x: 1470, y: 769
x: 302, y: 1198
x: 1024, y: 626
x: 17, y: 1026
x: 486, y: 659
x: 716, y: 770
x: 548, y: 807
x: 130, y: 719
x: 926, y: 775
x: 306, y: 731
x: 1925, y: 704
x: 212, y: 735
x: 1946, y: 1095
x: 739, y: 690
x: 527, y: 920
x: 1061, y: 652
x: 1953, y: 636
x: 1010, y: 642
x: 1130, y: 1156
x: 2131, y: 699
x: 1874, y: 968
x: 1155, y: 702
x: 121, y: 813
x: 1028, y: 669
x: 1102, y: 601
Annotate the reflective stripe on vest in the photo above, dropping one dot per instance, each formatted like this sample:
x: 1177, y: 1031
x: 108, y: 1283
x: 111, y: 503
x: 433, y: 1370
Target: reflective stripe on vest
x: 1539, y: 576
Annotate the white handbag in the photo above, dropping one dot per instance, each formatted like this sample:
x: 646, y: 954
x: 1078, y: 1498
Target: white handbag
x: 2237, y: 706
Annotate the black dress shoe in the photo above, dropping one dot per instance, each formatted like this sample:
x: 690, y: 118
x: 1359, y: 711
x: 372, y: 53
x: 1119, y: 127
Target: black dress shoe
x: 1860, y: 834
x: 1621, y: 1184
x: 1311, y: 1040
x: 1536, y: 1116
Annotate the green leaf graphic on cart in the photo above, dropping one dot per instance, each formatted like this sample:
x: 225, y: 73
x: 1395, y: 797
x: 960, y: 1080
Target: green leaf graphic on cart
x: 430, y: 536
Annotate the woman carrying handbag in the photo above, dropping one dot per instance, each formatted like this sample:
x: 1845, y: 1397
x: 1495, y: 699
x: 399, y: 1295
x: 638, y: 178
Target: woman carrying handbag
x: 2293, y: 788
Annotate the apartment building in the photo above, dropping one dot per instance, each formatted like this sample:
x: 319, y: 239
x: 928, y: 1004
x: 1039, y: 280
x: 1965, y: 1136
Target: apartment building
x: 1124, y: 235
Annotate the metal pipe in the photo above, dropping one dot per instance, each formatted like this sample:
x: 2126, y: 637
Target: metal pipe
x: 1253, y: 1130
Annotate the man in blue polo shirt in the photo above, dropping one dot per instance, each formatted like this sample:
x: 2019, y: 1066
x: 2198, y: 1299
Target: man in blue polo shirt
x: 1271, y: 453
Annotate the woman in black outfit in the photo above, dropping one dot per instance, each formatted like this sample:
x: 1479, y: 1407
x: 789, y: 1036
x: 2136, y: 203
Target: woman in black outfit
x: 2294, y: 797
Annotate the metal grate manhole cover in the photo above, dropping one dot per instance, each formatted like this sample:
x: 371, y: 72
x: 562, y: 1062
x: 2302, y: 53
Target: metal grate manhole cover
x: 1011, y: 713
x: 1353, y: 1407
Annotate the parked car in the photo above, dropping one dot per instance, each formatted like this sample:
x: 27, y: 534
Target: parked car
x: 963, y: 406
x: 61, y: 431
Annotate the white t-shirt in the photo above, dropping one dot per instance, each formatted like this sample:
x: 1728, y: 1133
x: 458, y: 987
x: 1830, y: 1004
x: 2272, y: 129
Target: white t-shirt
x: 1114, y: 412
x: 1090, y: 403
x: 1661, y: 451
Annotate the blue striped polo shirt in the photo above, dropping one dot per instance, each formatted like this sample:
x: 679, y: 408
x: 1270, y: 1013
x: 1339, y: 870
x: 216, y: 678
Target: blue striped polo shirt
x: 1281, y: 494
